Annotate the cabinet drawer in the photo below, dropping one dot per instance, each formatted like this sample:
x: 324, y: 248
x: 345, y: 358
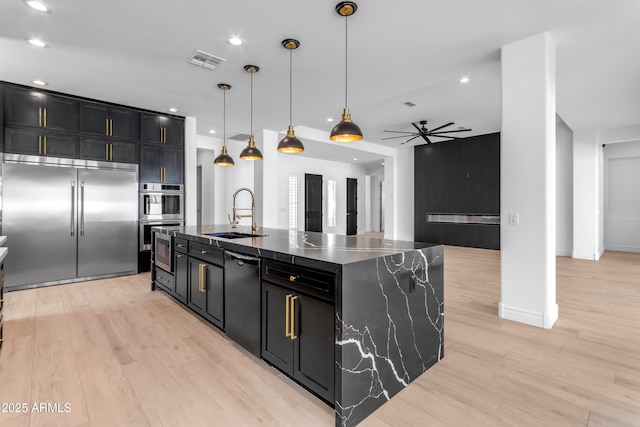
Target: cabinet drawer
x: 206, y: 253
x: 301, y: 279
x: 164, y: 280
x: 181, y: 245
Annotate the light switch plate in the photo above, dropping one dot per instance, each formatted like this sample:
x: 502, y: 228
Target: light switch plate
x: 514, y: 219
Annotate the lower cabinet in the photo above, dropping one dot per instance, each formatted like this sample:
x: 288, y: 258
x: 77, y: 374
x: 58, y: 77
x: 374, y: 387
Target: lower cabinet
x: 164, y: 280
x: 206, y: 290
x: 298, y: 337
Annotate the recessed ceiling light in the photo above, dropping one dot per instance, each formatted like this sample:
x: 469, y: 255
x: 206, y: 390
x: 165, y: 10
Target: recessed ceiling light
x: 39, y: 82
x: 234, y: 40
x: 329, y: 119
x: 173, y: 110
x: 355, y: 159
x: 37, y: 5
x: 382, y: 163
x: 212, y: 131
x: 37, y: 43
x: 464, y: 79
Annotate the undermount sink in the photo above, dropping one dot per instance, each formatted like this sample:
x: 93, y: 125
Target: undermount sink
x: 234, y: 235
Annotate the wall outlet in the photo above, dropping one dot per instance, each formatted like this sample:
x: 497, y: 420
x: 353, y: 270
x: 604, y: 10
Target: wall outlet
x: 514, y: 219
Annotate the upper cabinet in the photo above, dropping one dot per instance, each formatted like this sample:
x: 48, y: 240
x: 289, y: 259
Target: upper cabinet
x: 106, y: 120
x: 161, y: 129
x: 30, y: 107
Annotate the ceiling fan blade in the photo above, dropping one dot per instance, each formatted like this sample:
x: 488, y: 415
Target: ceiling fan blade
x: 399, y: 131
x: 438, y: 128
x: 415, y: 125
x: 410, y: 139
x: 398, y: 136
x: 449, y: 131
x: 446, y: 136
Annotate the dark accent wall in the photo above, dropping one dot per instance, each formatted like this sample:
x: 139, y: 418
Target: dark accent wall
x: 460, y: 176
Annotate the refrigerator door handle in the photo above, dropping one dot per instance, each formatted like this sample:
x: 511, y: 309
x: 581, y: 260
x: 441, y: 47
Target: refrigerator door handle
x: 73, y: 208
x: 82, y: 208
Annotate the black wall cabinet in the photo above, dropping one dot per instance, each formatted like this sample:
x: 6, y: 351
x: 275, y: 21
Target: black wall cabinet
x: 161, y: 129
x: 105, y: 120
x: 27, y: 107
x: 161, y: 164
x: 458, y: 177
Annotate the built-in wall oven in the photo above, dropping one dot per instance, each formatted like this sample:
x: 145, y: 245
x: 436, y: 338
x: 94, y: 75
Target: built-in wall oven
x: 160, y: 205
x: 161, y: 202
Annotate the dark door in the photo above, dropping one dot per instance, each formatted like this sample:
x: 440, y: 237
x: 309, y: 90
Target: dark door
x: 94, y: 148
x: 214, y: 286
x: 277, y: 347
x: 313, y: 202
x: 23, y: 107
x: 151, y: 128
x: 181, y: 276
x: 313, y: 348
x: 124, y: 123
x: 94, y: 118
x: 150, y: 163
x: 23, y: 141
x: 197, y: 293
x: 172, y: 160
x: 174, y: 131
x: 60, y: 113
x: 352, y: 206
x: 123, y: 151
x: 60, y: 145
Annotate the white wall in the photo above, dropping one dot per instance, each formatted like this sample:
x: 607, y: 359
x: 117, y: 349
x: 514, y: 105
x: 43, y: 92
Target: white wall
x: 205, y: 158
x: 564, y: 188
x: 190, y: 171
x: 403, y: 184
x: 376, y: 180
x: 528, y: 181
x: 622, y: 196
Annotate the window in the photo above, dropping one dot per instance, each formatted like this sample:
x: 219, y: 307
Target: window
x: 331, y: 203
x: 293, y: 202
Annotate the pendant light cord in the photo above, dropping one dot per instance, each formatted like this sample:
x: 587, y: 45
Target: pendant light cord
x: 252, y: 103
x: 346, y: 58
x: 290, y: 87
x: 224, y: 118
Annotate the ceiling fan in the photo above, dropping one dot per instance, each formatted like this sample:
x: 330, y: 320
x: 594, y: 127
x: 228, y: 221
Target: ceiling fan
x: 425, y: 133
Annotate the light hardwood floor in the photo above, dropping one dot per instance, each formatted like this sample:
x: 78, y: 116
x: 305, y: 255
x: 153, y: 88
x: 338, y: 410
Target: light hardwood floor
x: 122, y: 355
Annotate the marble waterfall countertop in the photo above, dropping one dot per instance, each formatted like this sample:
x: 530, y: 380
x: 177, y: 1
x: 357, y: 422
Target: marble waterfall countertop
x: 3, y: 240
x: 323, y: 247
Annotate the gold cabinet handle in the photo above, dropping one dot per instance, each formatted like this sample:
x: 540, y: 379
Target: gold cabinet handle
x: 110, y: 151
x: 106, y: 151
x: 110, y: 127
x: 161, y: 135
x: 39, y: 116
x: 179, y: 255
x: 292, y: 278
x: 287, y: 321
x: 106, y: 129
x: 39, y: 144
x: 203, y: 251
x: 2, y: 301
x: 202, y: 287
x: 45, y: 145
x: 45, y: 117
x: 293, y: 317
x: 180, y: 245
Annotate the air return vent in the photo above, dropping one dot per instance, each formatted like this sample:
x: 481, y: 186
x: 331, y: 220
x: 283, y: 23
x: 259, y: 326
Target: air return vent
x: 409, y: 104
x: 240, y: 137
x: 206, y: 60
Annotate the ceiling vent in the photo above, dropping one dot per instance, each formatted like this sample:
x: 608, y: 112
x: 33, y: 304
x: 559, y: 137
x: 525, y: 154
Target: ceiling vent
x: 240, y: 137
x: 206, y: 60
x: 409, y: 104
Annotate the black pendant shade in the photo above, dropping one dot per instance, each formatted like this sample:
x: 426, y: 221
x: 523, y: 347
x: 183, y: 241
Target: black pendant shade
x: 346, y: 130
x: 290, y: 143
x: 251, y: 152
x: 224, y: 159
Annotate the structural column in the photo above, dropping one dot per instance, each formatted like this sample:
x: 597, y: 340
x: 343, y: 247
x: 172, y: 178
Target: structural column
x: 527, y: 182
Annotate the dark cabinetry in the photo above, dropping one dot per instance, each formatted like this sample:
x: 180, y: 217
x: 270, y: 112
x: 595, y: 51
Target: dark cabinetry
x: 161, y: 129
x: 181, y: 269
x: 106, y: 120
x: 33, y: 141
x: 161, y: 164
x: 164, y: 280
x: 95, y: 148
x: 206, y: 282
x: 298, y: 324
x: 29, y: 107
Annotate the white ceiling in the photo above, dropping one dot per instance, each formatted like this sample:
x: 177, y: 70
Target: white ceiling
x: 135, y: 53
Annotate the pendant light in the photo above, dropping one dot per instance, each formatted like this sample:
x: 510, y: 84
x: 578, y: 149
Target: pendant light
x: 224, y: 159
x: 346, y: 130
x: 251, y: 152
x: 290, y: 143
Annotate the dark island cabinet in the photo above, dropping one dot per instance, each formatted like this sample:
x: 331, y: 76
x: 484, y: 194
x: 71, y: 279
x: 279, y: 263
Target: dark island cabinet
x: 33, y: 141
x: 206, y: 283
x: 96, y: 148
x: 297, y: 328
x: 161, y: 129
x: 161, y: 164
x: 30, y: 107
x: 181, y: 265
x: 106, y: 120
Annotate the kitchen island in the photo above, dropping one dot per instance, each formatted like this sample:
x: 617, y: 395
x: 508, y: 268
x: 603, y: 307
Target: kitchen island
x: 351, y: 318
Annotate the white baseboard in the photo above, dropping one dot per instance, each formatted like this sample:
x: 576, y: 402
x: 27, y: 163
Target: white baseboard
x: 622, y: 248
x: 585, y: 255
x: 528, y: 317
x: 562, y: 252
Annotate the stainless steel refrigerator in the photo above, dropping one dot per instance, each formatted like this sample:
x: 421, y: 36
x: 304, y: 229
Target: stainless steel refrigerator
x: 68, y: 219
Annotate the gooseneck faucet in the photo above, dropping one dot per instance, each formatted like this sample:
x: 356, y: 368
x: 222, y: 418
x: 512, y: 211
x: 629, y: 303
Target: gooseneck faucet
x: 237, y: 216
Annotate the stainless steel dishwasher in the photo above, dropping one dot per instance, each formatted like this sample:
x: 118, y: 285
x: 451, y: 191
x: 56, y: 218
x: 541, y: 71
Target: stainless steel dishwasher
x: 242, y: 300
